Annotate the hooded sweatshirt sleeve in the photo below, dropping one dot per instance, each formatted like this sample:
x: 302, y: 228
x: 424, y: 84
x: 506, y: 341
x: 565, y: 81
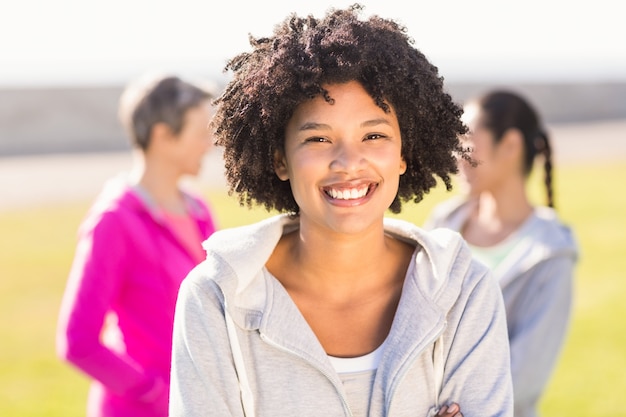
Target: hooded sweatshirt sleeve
x: 477, y: 369
x: 537, y: 327
x: 201, y: 384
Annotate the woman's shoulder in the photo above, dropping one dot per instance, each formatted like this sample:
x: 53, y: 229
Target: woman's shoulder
x: 234, y: 268
x: 244, y: 250
x: 547, y: 227
x: 442, y: 258
x: 449, y: 213
x: 115, y: 202
x: 196, y: 203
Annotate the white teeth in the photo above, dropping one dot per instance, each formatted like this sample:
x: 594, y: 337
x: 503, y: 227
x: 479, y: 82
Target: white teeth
x: 351, y: 194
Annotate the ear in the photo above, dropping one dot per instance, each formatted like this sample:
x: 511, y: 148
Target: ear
x: 512, y: 144
x: 402, y: 166
x: 280, y: 166
x: 160, y: 133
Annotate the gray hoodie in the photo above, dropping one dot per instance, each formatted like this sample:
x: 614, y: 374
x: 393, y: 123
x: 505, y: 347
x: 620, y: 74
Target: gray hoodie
x: 242, y: 348
x: 536, y: 280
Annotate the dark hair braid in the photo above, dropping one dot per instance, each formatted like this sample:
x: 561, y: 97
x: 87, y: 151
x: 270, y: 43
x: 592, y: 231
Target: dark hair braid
x: 542, y: 144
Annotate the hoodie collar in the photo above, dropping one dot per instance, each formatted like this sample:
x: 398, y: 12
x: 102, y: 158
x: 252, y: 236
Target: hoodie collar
x: 246, y: 250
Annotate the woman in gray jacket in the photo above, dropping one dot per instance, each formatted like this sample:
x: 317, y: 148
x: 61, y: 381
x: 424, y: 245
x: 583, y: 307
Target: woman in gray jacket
x: 531, y: 252
x: 331, y: 309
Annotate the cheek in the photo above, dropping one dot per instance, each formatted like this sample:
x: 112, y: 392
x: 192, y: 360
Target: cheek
x: 307, y: 163
x: 199, y: 144
x: 390, y: 156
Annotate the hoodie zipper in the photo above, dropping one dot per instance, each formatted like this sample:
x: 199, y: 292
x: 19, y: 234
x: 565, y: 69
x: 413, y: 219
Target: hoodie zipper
x: 291, y: 352
x: 409, y: 360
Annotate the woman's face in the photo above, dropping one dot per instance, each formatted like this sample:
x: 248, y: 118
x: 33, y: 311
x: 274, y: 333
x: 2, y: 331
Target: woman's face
x: 193, y: 141
x: 343, y: 160
x: 485, y: 151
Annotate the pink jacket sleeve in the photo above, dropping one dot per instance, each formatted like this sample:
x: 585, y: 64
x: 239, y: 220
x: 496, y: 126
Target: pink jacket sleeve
x: 95, y: 279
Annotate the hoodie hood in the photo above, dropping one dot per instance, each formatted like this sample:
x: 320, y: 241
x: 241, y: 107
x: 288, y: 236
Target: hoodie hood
x: 546, y: 237
x: 240, y: 254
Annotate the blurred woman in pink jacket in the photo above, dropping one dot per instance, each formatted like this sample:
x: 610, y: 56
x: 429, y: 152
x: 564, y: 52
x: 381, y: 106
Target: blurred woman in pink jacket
x: 139, y: 240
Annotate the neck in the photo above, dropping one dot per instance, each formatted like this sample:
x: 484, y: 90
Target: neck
x: 338, y: 265
x: 494, y: 211
x: 497, y: 214
x: 505, y: 204
x: 338, y: 254
x: 160, y: 181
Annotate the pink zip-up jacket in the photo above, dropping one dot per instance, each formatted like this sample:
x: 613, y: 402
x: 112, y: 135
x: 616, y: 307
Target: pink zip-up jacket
x: 117, y: 313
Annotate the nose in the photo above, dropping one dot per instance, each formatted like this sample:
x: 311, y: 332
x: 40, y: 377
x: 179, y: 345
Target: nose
x: 347, y: 158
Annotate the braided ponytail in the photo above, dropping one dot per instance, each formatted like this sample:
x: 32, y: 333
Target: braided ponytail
x: 542, y: 145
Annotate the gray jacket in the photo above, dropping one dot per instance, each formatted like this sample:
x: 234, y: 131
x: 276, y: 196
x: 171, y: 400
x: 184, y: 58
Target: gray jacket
x: 536, y: 281
x: 240, y: 343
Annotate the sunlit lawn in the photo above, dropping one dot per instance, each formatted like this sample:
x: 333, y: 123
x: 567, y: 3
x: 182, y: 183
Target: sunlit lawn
x: 37, y: 245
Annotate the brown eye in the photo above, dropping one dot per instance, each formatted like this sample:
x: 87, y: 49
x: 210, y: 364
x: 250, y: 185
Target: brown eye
x: 316, y: 139
x: 374, y: 136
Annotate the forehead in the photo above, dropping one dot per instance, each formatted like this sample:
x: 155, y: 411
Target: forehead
x: 350, y: 96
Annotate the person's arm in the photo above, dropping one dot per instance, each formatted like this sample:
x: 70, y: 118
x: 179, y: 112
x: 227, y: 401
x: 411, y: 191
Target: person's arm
x: 203, y: 375
x: 477, y: 368
x: 94, y: 282
x: 538, y: 326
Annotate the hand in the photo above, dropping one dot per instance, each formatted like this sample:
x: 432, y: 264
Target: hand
x: 452, y: 410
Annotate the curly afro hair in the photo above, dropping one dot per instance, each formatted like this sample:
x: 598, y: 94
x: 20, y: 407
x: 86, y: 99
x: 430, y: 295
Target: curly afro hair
x: 292, y: 66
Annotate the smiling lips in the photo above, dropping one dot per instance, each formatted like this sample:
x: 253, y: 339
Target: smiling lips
x: 353, y: 193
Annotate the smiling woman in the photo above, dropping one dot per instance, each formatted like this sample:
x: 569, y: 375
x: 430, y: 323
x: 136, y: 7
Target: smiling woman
x: 332, y: 122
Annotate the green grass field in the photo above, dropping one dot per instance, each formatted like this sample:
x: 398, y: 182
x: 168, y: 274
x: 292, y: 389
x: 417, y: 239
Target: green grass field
x: 37, y: 245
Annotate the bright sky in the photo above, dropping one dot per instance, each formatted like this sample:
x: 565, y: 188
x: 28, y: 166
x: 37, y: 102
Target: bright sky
x: 51, y: 42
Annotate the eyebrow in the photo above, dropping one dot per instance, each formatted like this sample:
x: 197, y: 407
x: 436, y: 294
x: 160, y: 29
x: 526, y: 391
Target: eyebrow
x: 322, y: 126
